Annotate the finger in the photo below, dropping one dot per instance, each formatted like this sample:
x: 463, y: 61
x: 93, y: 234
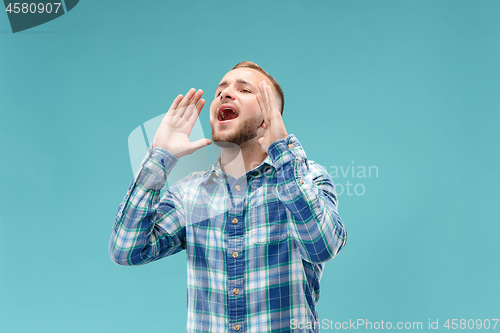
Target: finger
x: 263, y: 91
x: 200, y: 105
x: 196, y: 113
x: 260, y: 141
x: 262, y: 85
x: 199, y: 144
x: 174, y: 105
x: 186, y: 111
x: 266, y: 101
x: 196, y: 97
x: 187, y: 98
x: 262, y: 105
x: 194, y: 106
x: 270, y: 98
x: 274, y: 112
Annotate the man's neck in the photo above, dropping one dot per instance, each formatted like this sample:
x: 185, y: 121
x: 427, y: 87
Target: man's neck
x: 239, y: 160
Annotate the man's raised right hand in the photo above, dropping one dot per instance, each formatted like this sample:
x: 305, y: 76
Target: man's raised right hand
x: 175, y: 128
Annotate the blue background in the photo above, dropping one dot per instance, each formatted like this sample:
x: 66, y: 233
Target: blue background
x: 411, y: 87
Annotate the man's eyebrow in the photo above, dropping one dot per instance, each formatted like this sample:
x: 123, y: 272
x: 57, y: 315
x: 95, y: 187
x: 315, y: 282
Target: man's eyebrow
x: 241, y: 81
x: 222, y: 84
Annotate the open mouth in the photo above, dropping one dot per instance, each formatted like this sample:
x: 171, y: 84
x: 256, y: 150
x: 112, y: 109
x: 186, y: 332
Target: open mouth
x: 226, y: 112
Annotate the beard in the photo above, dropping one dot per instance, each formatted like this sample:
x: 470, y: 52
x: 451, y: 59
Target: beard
x: 245, y: 132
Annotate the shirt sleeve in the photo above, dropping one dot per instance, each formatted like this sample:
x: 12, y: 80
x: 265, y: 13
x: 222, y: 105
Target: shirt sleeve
x: 146, y: 229
x: 307, y: 190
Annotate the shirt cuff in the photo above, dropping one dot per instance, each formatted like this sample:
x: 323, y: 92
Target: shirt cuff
x: 161, y: 157
x: 285, y: 151
x: 155, y: 168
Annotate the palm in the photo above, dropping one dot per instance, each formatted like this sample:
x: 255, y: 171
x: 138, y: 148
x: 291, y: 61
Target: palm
x: 175, y: 128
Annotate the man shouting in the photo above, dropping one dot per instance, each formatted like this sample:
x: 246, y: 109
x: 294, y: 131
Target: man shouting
x: 257, y: 226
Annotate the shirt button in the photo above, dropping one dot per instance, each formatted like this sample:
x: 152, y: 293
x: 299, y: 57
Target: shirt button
x: 235, y: 220
x: 236, y: 291
x: 291, y: 146
x: 236, y: 327
x: 237, y: 187
x: 301, y: 181
x: 217, y: 174
x: 235, y: 255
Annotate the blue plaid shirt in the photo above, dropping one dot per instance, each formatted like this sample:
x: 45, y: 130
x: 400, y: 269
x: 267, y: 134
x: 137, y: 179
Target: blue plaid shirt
x: 255, y: 245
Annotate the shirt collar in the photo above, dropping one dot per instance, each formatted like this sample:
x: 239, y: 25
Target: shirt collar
x: 215, y: 170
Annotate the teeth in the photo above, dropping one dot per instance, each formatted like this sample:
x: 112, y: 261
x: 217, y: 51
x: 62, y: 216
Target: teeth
x: 222, y: 113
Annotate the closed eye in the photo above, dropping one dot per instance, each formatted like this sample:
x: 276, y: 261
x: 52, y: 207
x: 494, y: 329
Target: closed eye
x: 246, y: 91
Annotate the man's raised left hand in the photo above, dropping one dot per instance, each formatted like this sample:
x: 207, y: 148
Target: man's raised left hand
x: 274, y: 127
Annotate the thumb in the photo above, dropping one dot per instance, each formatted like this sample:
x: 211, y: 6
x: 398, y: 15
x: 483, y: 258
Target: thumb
x: 200, y: 144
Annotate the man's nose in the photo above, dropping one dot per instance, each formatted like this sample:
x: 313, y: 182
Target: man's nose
x: 226, y: 94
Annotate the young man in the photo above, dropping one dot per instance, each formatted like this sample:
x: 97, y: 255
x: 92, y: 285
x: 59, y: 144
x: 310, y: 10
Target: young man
x: 257, y: 227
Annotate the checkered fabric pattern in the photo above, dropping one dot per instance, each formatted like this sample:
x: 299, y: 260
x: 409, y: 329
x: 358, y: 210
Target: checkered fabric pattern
x: 255, y: 246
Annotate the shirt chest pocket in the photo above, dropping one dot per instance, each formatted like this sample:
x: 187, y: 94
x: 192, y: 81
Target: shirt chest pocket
x: 268, y: 221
